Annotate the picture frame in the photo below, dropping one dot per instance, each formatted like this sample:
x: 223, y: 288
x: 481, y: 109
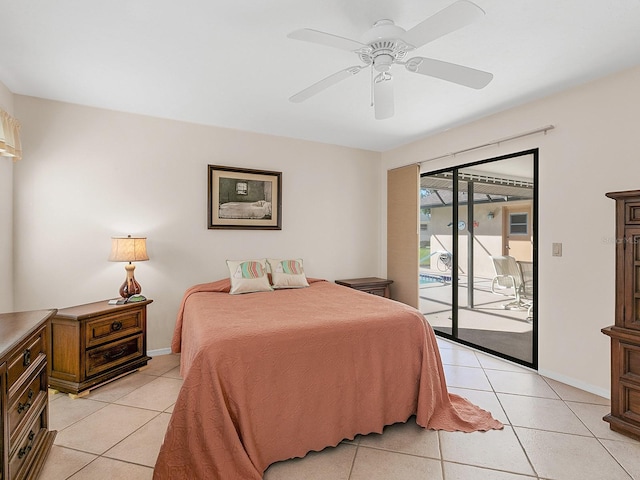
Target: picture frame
x: 243, y: 198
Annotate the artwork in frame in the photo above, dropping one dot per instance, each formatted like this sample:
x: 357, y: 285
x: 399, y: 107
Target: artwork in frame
x: 243, y: 198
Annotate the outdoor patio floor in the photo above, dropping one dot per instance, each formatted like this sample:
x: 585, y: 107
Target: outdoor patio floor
x: 488, y: 324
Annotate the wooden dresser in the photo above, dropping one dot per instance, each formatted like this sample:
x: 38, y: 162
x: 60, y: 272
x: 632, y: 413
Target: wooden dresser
x: 625, y: 333
x: 373, y: 285
x: 26, y: 439
x: 95, y: 343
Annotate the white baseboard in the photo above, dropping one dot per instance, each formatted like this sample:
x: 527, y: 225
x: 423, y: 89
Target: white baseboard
x: 576, y: 383
x: 549, y: 374
x: 160, y: 351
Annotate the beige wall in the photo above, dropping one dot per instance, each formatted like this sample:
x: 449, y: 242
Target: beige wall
x: 85, y: 167
x: 594, y: 149
x: 6, y: 216
x: 88, y: 174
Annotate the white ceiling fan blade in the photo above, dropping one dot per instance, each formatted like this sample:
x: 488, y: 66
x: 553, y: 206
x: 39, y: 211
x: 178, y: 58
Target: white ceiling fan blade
x: 383, y: 102
x: 449, y: 19
x: 324, y: 83
x: 323, y: 38
x: 451, y: 72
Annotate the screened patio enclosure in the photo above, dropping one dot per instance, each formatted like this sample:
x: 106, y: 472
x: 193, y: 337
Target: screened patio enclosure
x: 477, y: 255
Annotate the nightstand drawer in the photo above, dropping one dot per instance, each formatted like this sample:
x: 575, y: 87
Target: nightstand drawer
x: 381, y: 292
x: 103, y: 358
x: 20, y: 362
x: 373, y: 285
x: 32, y: 397
x: 113, y: 327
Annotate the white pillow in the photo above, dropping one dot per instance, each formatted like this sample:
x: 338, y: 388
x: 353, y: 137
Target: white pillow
x: 248, y: 276
x: 287, y: 273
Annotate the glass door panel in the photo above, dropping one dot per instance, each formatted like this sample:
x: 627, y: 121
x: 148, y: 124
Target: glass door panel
x: 436, y: 257
x: 484, y: 219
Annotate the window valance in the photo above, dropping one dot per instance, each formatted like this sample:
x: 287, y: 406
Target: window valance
x: 9, y: 136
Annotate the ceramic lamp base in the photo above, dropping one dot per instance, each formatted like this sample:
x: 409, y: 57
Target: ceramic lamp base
x: 130, y: 285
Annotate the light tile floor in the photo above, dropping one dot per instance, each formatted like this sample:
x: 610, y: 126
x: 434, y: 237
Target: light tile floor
x: 552, y: 431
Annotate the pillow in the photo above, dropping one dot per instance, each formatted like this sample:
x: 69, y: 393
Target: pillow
x: 287, y: 273
x: 248, y: 276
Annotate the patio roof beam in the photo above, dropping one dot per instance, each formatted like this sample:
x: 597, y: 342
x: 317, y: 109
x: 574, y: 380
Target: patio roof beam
x: 439, y: 197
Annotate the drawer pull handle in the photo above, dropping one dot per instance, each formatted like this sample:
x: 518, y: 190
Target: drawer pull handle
x: 116, y: 354
x: 115, y: 326
x: 23, y: 407
x: 26, y: 358
x: 27, y: 448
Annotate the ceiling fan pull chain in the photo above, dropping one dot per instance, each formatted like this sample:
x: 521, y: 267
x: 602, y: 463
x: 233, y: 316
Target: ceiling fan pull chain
x: 371, y: 85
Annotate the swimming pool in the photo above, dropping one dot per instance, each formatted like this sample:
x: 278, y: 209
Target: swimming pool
x: 426, y: 278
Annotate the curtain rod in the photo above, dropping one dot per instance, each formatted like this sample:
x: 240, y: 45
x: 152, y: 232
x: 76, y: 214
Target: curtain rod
x: 544, y: 129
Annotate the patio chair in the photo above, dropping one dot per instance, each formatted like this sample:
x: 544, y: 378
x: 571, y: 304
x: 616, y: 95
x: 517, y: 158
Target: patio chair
x: 517, y: 278
x: 526, y: 272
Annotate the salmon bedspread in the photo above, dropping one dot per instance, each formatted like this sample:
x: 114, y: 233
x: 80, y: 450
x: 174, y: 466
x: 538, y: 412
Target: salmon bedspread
x: 273, y: 375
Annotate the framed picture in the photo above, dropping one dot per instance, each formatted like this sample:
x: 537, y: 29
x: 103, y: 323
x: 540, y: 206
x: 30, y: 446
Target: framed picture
x: 242, y: 198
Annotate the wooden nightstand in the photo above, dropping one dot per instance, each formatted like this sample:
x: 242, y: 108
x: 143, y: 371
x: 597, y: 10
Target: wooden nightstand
x: 373, y: 285
x: 95, y: 343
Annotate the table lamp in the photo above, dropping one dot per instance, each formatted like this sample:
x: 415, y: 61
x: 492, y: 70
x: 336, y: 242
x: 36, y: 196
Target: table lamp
x: 129, y: 249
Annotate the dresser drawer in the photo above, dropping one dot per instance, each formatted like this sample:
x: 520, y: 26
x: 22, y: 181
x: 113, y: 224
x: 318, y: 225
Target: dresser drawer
x: 113, y: 327
x: 629, y: 358
x: 630, y: 402
x: 32, y: 397
x: 103, y: 358
x: 20, y: 361
x: 27, y: 445
x: 632, y: 213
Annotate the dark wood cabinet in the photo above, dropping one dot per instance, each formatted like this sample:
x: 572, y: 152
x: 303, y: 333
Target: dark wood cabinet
x: 26, y: 439
x: 625, y: 333
x: 373, y: 285
x: 95, y: 343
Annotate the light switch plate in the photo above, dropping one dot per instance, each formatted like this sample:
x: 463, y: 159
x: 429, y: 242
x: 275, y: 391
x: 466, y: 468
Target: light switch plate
x: 556, y: 249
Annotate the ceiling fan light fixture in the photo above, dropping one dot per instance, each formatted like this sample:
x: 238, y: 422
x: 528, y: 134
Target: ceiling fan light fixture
x: 383, y: 62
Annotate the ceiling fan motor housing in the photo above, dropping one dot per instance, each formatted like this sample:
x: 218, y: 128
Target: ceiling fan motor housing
x: 385, y: 47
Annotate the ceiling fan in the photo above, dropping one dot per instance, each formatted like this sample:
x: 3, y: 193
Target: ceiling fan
x: 387, y: 44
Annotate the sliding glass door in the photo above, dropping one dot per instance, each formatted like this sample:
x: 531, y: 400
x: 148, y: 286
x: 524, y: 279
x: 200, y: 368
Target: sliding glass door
x: 478, y: 255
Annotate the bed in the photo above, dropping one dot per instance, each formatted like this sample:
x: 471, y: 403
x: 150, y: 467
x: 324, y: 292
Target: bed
x: 259, y: 209
x: 274, y: 375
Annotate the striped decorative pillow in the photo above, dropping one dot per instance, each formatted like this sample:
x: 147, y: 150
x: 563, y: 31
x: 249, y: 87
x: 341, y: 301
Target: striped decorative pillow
x: 287, y: 273
x: 248, y: 276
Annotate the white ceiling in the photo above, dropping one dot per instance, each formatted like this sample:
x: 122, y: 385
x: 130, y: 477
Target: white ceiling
x: 230, y: 64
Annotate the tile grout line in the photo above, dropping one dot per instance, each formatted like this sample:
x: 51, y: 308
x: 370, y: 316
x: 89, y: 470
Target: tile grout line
x: 524, y: 450
x: 106, y: 404
x: 593, y: 434
x: 441, y: 456
x: 102, y: 455
x: 402, y: 453
x: 353, y: 461
x: 559, y: 397
x: 505, y: 413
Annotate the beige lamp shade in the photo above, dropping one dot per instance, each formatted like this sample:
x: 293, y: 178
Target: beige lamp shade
x: 128, y: 249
